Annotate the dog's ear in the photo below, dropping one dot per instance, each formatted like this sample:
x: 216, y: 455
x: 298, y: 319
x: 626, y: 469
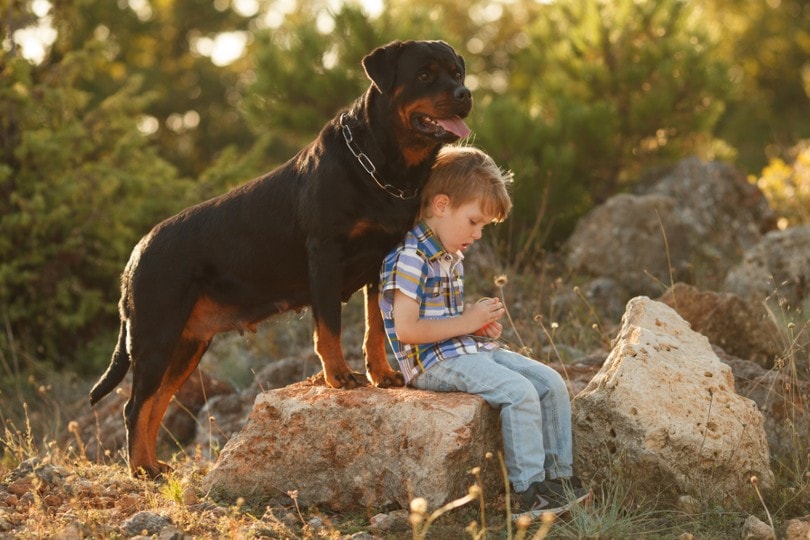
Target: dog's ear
x: 459, y: 58
x: 379, y: 65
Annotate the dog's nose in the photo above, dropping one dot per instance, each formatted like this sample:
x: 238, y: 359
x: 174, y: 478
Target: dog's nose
x: 462, y: 93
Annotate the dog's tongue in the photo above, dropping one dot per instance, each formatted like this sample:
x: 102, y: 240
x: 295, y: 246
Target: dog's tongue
x: 454, y: 125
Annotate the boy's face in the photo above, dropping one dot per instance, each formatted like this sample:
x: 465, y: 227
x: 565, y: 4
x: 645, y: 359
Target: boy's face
x: 457, y: 228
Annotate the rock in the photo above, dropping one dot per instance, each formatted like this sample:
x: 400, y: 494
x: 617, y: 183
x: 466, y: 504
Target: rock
x: 778, y: 266
x: 663, y: 410
x: 220, y: 418
x: 281, y: 373
x: 780, y: 396
x: 394, y: 521
x: 225, y: 414
x: 632, y: 222
x: 725, y: 209
x: 742, y: 328
x: 695, y: 221
x: 798, y: 529
x: 359, y: 449
x: 689, y: 505
x: 145, y: 522
x: 756, y: 529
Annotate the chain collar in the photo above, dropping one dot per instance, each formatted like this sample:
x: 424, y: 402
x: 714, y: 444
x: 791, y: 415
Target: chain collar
x: 369, y: 167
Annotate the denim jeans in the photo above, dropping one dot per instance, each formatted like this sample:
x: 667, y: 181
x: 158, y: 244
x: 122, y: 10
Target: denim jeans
x: 534, y: 406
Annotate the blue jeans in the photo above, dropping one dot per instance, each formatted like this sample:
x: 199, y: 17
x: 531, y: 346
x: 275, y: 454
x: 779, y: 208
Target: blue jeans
x: 534, y: 406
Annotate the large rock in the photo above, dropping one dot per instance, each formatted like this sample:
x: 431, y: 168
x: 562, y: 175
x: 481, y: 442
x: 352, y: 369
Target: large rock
x: 359, y: 449
x: 692, y: 223
x: 741, y: 327
x: 778, y: 266
x: 664, y: 413
x: 781, y: 397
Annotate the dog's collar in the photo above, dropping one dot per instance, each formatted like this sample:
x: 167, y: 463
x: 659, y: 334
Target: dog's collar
x: 369, y: 167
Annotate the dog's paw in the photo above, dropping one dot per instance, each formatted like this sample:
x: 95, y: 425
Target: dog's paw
x: 158, y: 471
x: 347, y: 380
x: 389, y: 379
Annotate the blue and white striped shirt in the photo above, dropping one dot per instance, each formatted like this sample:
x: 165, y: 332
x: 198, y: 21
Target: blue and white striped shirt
x: 420, y: 268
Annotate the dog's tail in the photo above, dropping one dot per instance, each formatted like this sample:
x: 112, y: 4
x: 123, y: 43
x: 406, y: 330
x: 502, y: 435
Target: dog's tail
x: 119, y: 365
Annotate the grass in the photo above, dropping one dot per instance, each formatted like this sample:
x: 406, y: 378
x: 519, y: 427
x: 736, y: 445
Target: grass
x: 549, y: 318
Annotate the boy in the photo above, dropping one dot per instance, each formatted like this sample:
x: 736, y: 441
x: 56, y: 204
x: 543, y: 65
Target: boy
x: 443, y: 346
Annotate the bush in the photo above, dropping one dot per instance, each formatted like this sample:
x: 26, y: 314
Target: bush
x: 787, y: 186
x: 79, y: 184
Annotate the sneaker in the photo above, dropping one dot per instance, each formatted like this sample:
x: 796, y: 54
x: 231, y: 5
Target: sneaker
x: 554, y: 496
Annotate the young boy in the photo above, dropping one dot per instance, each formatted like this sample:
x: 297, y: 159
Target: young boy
x: 444, y: 346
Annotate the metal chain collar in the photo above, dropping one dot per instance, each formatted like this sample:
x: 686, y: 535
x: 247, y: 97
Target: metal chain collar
x: 369, y: 167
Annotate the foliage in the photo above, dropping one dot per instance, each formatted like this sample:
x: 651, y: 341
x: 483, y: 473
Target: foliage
x: 787, y: 186
x: 193, y: 107
x: 78, y: 184
x: 598, y: 93
x: 768, y: 46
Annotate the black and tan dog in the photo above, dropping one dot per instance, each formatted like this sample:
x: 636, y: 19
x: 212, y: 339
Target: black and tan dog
x: 311, y: 232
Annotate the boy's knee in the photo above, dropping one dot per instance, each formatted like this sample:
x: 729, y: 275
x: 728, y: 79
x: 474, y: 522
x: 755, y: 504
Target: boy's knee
x: 522, y: 389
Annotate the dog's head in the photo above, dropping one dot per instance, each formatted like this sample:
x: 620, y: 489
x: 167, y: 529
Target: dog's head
x: 424, y: 82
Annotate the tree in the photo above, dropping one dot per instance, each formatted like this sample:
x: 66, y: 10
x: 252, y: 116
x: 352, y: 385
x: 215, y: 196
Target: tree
x: 78, y: 184
x: 597, y: 93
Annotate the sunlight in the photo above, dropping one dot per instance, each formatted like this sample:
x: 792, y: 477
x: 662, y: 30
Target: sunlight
x: 223, y: 49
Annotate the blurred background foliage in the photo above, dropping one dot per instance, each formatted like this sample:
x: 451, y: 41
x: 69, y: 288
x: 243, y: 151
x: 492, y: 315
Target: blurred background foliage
x: 114, y: 115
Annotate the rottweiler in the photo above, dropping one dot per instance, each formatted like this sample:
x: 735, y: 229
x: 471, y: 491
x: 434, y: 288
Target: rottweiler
x: 308, y: 233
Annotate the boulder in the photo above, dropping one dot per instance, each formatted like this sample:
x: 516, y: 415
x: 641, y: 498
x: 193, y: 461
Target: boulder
x: 778, y: 266
x: 662, y: 412
x: 691, y: 223
x: 359, y: 449
x: 781, y: 397
x: 741, y: 327
x: 623, y: 240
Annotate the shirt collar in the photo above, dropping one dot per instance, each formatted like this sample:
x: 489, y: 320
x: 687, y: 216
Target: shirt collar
x: 433, y: 248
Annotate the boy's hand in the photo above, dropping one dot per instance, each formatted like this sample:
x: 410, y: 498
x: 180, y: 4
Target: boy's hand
x: 487, y: 311
x: 491, y: 330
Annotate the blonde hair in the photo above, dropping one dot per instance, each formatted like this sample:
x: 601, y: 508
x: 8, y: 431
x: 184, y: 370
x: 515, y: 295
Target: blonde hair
x: 465, y: 174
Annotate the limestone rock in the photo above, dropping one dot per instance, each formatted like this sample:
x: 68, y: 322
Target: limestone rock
x: 359, y: 449
x: 663, y: 410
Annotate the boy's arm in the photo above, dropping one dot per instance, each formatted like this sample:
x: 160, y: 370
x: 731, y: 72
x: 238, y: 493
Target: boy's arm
x: 412, y: 329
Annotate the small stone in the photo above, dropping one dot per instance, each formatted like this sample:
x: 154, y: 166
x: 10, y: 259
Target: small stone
x: 190, y: 496
x: 392, y: 521
x: 21, y: 487
x: 689, y: 505
x: 145, y: 523
x: 755, y: 529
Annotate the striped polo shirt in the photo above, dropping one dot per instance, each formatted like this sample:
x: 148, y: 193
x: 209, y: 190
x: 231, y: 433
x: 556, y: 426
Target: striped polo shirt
x: 421, y: 269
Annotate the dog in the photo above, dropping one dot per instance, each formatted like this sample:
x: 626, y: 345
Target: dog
x: 309, y: 233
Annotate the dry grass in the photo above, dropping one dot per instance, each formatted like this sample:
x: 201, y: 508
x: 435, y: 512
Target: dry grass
x: 47, y: 489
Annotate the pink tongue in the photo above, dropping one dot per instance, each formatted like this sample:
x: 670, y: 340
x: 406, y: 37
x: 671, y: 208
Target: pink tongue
x: 454, y: 125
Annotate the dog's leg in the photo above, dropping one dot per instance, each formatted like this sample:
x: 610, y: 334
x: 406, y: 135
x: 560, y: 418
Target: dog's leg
x: 144, y: 417
x: 325, y: 278
x: 377, y: 367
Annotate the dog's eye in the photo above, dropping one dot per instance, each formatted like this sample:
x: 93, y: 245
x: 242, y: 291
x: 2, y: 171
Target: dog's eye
x: 458, y: 76
x: 425, y: 76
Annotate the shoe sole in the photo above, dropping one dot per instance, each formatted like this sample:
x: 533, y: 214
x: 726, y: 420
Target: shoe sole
x: 560, y: 510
